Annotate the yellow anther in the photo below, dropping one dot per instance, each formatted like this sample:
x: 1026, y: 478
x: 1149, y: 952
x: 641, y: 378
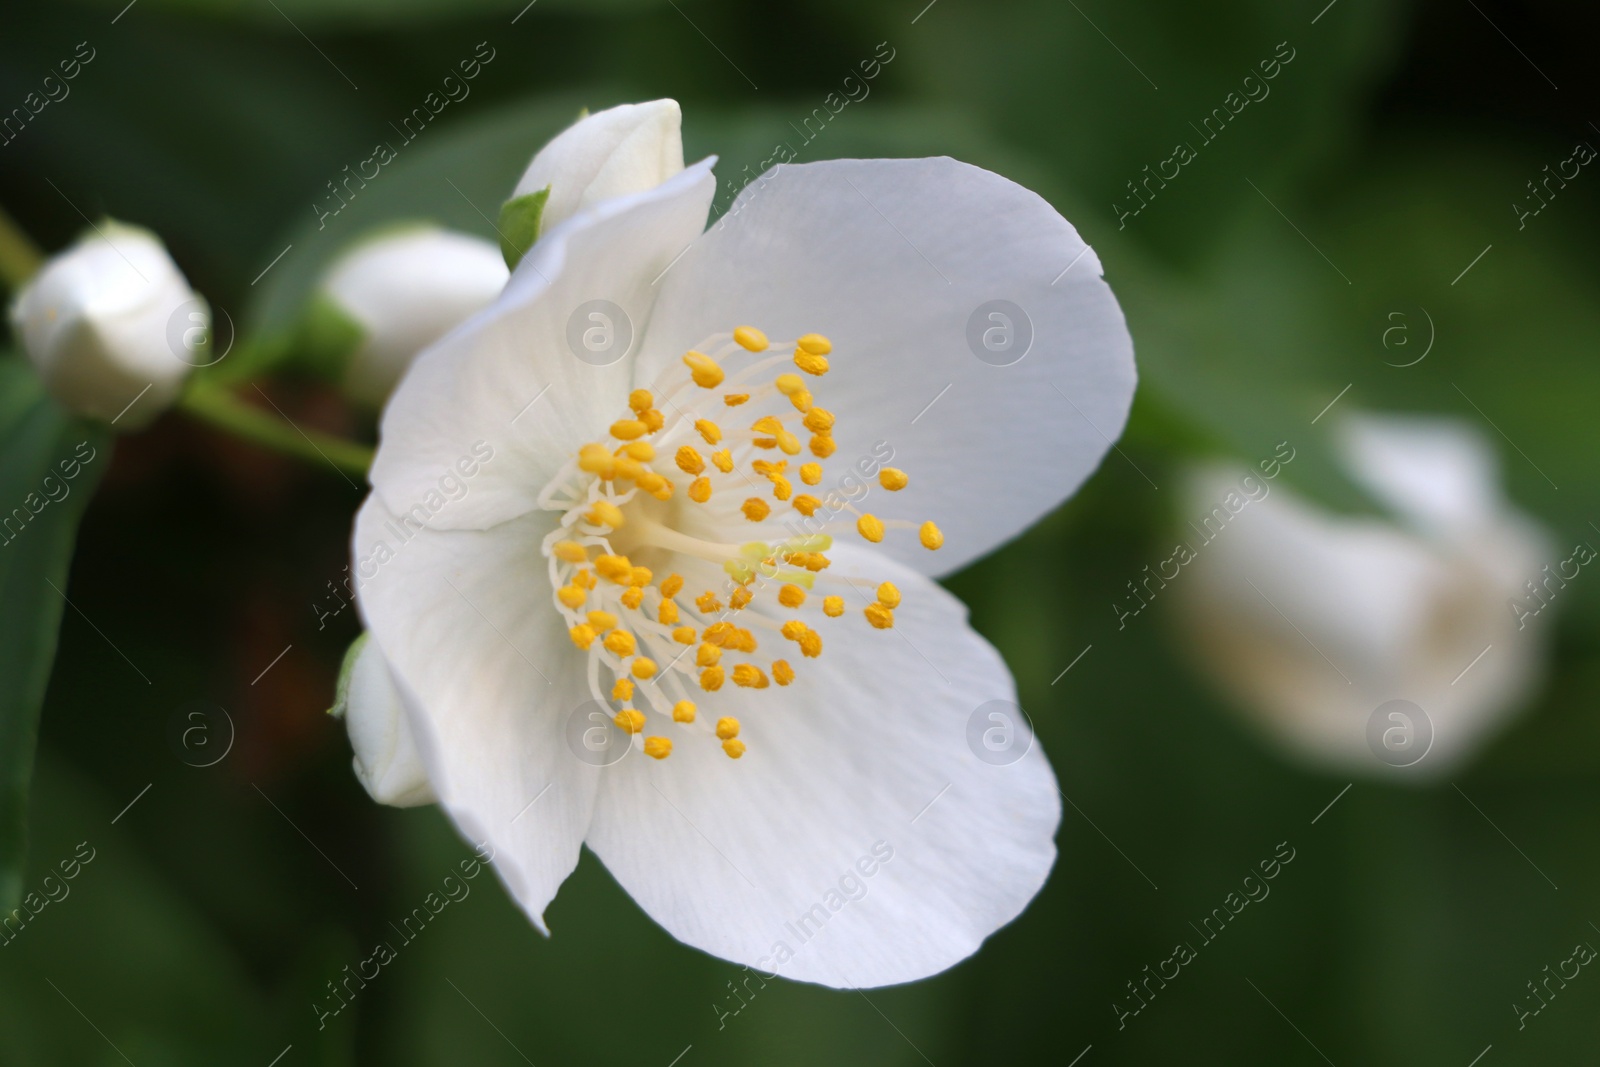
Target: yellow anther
x: 750, y: 338
x: 870, y: 527
x: 653, y: 420
x: 711, y: 679
x: 723, y: 460
x: 628, y: 429
x: 571, y: 596
x: 689, y: 461
x: 782, y: 673
x: 708, y: 603
x: 601, y: 621
x: 641, y: 401
x: 684, y: 635
x: 643, y: 451
x: 806, y: 504
x: 665, y: 492
x: 818, y: 420
x: 833, y: 606
x: 583, y: 636
x: 683, y: 711
x: 639, y: 576
x: 632, y: 597
x: 930, y: 536
x: 794, y: 629
x: 880, y: 616
x: 811, y: 644
x: 742, y: 641
x: 802, y: 401
x: 734, y: 748
x: 667, y: 614
x: 750, y: 676
x: 605, y: 513
x: 719, y: 633
x: 768, y: 468
x: 651, y: 482
x: 781, y: 488
x: 893, y: 479
x: 740, y: 597
x: 767, y: 424
x: 671, y: 585
x: 710, y: 431
x: 811, y: 364
x: 622, y: 692
x: 791, y: 596
x: 707, y: 655
x: 629, y: 721
x: 616, y: 568
x: 584, y: 578
x: 643, y: 667
x: 597, y: 459
x: 755, y: 509
x: 822, y: 445
x: 815, y: 344
x: 570, y: 551
x: 789, y: 443
x: 700, y: 490
x: 658, y: 747
x: 625, y: 469
x: 621, y: 643
x: 888, y: 595
x: 703, y: 369
x: 727, y: 728
x: 733, y: 400
x: 789, y: 384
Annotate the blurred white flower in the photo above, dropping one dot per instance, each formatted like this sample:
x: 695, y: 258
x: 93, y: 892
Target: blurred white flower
x: 652, y: 556
x: 98, y: 323
x: 404, y: 289
x: 622, y: 150
x: 1313, y: 621
x: 386, y: 759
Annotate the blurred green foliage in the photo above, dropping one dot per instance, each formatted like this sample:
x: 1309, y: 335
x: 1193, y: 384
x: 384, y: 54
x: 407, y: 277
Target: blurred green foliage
x: 1396, y: 139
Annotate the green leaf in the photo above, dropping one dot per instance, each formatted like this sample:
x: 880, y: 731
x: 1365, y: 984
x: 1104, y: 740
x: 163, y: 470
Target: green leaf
x: 41, y: 445
x: 519, y: 224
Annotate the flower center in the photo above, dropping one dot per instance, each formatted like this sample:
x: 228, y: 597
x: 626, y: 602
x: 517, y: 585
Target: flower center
x: 718, y: 507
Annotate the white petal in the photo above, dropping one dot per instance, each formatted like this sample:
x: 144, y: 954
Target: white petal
x: 386, y: 759
x: 508, y: 376
x: 487, y: 673
x: 1439, y: 473
x: 891, y: 260
x: 867, y: 749
x: 622, y: 150
x: 1312, y: 621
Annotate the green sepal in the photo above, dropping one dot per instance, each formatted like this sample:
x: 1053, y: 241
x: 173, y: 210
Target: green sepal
x: 519, y: 224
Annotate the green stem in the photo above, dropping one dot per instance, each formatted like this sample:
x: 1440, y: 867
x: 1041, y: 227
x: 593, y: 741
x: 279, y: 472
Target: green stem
x: 19, y: 256
x: 222, y: 408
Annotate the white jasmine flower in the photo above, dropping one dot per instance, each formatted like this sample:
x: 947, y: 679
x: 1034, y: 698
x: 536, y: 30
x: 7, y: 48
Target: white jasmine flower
x: 1313, y: 622
x: 724, y: 545
x: 98, y: 322
x: 622, y: 150
x: 404, y: 290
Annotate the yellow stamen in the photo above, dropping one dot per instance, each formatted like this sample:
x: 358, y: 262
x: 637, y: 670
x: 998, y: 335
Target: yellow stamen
x: 707, y: 655
x: 640, y: 576
x: 671, y: 585
x: 667, y: 614
x: 723, y: 459
x: 791, y: 596
x: 628, y: 429
x: 880, y: 615
x: 790, y: 384
x: 605, y: 513
x: 893, y: 479
x: 621, y: 643
x: 733, y: 400
x: 700, y: 490
x: 833, y: 606
x: 689, y: 461
x: 622, y: 692
x: 818, y: 420
x: 789, y: 443
x: 641, y: 401
x: 781, y: 487
x: 629, y: 721
x: 643, y: 451
x: 750, y: 338
x: 572, y: 596
x: 683, y: 711
x: 811, y: 644
x: 734, y: 748
x: 602, y: 621
x: 822, y: 446
x: 684, y: 635
x: 615, y: 568
x: 870, y: 527
x: 708, y: 603
x: 582, y: 636
x: 727, y: 728
x: 711, y: 679
x: 755, y: 509
x: 802, y: 400
x: 782, y: 673
x: 718, y: 633
x: 794, y: 629
x: 740, y: 597
x: 658, y: 747
x: 644, y: 667
x: 570, y: 551
x: 930, y: 536
x: 815, y: 344
x: 653, y: 420
x: 584, y: 578
x: 750, y: 676
x: 710, y: 431
x: 768, y: 468
x: 651, y: 482
x: 805, y: 503
x: 888, y: 595
x: 632, y: 597
x: 703, y: 369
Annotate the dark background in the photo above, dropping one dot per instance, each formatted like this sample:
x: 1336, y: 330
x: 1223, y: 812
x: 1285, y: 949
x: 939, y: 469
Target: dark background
x: 1407, y: 924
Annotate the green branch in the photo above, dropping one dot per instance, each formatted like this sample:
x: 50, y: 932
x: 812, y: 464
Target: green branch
x: 275, y: 431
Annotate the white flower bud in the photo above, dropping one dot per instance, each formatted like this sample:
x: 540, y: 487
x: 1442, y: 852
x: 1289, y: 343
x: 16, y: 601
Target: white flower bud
x: 405, y: 290
x: 625, y: 149
x: 101, y: 321
x: 386, y: 758
x: 1313, y: 622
